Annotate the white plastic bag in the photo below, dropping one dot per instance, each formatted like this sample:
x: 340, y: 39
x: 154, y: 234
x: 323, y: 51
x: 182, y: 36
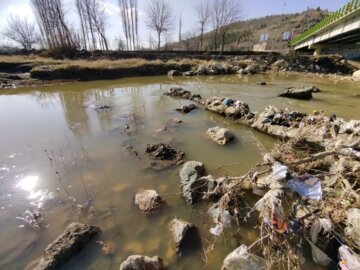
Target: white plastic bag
x: 348, y: 259
x: 310, y: 188
x: 240, y: 258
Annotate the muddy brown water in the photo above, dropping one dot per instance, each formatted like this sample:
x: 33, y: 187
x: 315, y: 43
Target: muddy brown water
x: 85, y: 145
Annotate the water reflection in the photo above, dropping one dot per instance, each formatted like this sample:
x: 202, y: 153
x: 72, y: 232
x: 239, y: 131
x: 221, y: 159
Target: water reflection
x: 46, y: 99
x: 28, y: 183
x: 75, y: 111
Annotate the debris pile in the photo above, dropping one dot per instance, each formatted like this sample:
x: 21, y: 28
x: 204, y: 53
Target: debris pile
x: 308, y: 188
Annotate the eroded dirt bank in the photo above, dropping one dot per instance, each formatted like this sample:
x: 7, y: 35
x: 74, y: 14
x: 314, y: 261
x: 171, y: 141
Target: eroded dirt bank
x: 20, y: 71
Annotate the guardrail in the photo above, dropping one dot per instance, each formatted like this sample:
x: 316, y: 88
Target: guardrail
x: 346, y: 10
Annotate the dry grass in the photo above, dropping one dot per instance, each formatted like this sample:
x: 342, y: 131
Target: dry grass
x: 39, y: 62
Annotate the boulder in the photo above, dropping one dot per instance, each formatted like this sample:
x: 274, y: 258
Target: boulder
x: 149, y: 202
x: 202, y: 70
x: 185, y: 236
x: 190, y: 175
x: 356, y: 74
x: 251, y: 69
x: 68, y: 244
x: 172, y: 73
x: 219, y: 135
x: 297, y: 94
x: 139, y: 262
x: 218, y: 66
x: 187, y: 109
x: 280, y: 64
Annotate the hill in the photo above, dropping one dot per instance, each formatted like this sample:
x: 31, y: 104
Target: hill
x: 243, y: 35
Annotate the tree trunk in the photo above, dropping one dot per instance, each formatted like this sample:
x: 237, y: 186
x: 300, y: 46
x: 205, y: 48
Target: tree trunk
x: 215, y: 40
x: 201, y: 37
x: 159, y: 40
x: 223, y: 35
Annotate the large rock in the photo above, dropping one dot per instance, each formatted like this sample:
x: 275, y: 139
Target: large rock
x: 280, y: 64
x: 219, y: 135
x: 356, y: 74
x: 252, y: 69
x: 139, y: 262
x: 68, y: 244
x: 190, y: 175
x: 149, y: 202
x: 185, y: 236
x: 304, y: 94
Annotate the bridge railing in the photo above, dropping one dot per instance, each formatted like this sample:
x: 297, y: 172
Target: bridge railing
x: 331, y: 18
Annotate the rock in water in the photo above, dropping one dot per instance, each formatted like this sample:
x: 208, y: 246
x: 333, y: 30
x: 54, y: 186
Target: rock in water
x: 304, y: 94
x: 163, y: 151
x: 187, y: 109
x: 138, y: 262
x: 219, y: 135
x: 190, y: 175
x: 185, y: 236
x: 149, y: 202
x: 72, y: 241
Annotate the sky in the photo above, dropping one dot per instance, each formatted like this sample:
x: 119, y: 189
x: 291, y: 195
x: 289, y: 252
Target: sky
x: 184, y: 8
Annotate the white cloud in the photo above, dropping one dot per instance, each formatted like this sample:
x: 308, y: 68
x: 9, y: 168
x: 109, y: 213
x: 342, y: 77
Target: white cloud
x: 111, y: 9
x: 23, y: 11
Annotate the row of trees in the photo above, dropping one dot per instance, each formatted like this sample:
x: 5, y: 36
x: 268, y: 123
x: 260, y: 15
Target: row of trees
x: 56, y: 32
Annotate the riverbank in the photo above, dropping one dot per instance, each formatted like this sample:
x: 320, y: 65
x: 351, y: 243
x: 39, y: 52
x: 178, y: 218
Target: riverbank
x: 33, y: 70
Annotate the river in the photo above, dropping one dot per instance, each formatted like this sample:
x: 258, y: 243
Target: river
x: 55, y: 145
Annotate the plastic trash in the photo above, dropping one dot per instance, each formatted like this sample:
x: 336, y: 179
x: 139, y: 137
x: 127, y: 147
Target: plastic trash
x: 348, y: 259
x: 222, y: 219
x: 240, y: 258
x: 321, y: 224
x: 228, y: 102
x: 318, y: 255
x: 217, y: 230
x: 279, y: 171
x: 307, y: 186
x: 353, y: 221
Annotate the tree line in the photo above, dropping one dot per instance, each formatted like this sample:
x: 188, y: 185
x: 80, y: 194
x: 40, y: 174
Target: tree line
x: 54, y: 30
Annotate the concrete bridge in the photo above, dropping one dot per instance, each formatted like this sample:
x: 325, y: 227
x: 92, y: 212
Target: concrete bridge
x: 338, y: 33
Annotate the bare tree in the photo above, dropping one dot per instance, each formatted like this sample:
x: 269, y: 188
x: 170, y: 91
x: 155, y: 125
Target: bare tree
x: 21, y: 31
x: 98, y: 20
x: 93, y: 21
x: 50, y: 15
x: 202, y: 9
x: 180, y: 28
x: 130, y: 21
x: 160, y: 18
x: 226, y: 12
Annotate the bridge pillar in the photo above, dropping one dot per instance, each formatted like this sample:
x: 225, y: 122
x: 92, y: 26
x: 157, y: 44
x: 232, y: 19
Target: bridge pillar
x: 348, y: 51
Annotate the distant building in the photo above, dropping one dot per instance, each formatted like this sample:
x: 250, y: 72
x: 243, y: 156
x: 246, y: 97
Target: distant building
x: 264, y: 37
x: 286, y: 35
